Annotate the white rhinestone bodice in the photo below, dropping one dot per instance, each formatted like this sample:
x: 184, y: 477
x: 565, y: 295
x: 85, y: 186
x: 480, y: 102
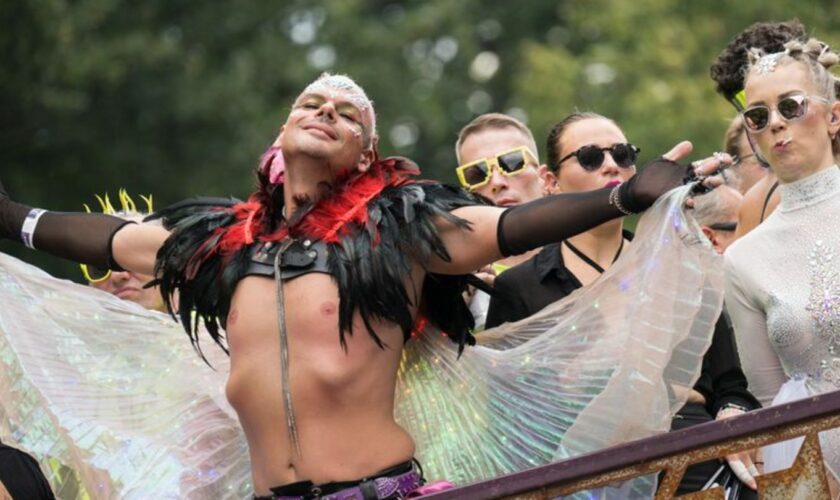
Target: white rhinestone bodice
x: 786, y: 274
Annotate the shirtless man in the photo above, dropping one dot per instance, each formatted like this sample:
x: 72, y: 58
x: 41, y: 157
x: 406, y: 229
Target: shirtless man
x: 333, y: 421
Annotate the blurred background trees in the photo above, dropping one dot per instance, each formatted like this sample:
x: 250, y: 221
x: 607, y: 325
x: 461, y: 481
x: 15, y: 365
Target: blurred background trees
x: 179, y: 98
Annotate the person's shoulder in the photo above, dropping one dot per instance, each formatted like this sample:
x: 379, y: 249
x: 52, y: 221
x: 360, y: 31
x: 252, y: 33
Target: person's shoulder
x: 743, y: 247
x: 753, y: 246
x: 753, y: 204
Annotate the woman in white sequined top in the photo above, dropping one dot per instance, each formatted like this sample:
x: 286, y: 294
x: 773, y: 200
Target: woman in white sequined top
x: 783, y: 278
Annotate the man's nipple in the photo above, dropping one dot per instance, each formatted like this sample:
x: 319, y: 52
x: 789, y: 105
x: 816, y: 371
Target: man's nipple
x: 328, y: 308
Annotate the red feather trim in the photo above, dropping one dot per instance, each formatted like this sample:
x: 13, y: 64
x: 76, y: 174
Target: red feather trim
x: 241, y: 233
x: 330, y: 219
x: 335, y: 215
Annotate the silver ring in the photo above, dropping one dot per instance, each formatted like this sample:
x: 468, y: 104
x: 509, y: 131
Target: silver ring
x: 718, y: 156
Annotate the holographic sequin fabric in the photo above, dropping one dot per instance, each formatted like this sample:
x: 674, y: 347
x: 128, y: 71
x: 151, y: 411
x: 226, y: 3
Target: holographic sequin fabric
x: 113, y: 401
x: 109, y: 397
x: 783, y: 294
x: 610, y: 363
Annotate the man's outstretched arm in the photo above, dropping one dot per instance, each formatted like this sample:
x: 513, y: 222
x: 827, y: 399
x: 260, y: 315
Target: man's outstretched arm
x: 495, y: 232
x: 97, y: 239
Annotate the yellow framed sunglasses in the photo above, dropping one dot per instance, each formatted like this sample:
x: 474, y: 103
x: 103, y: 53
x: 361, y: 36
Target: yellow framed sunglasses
x: 95, y: 274
x: 477, y: 173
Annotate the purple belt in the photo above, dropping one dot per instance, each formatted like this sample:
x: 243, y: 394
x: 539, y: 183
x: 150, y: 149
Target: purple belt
x: 380, y: 488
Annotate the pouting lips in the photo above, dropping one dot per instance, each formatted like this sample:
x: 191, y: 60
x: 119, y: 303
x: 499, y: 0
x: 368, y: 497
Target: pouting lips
x: 783, y: 143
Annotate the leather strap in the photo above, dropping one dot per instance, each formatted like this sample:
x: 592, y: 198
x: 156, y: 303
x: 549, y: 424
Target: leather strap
x: 594, y: 265
x: 291, y: 426
x: 767, y: 200
x: 301, y: 257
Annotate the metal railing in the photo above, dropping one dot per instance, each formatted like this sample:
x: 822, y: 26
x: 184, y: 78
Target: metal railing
x: 674, y: 451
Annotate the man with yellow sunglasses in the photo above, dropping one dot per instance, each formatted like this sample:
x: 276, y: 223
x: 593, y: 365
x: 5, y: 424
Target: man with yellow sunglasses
x: 499, y: 160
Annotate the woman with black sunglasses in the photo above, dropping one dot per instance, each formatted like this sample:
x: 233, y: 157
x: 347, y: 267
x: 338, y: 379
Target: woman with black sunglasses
x: 783, y: 278
x: 587, y: 151
x: 594, y: 154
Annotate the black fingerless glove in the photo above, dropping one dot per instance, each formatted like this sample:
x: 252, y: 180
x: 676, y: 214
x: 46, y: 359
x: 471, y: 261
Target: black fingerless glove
x: 79, y: 237
x: 655, y: 179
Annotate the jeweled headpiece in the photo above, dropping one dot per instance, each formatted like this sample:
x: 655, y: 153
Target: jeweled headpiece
x: 768, y: 62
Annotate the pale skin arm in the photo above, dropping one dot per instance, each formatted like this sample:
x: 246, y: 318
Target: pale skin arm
x: 760, y: 362
x: 762, y: 365
x: 135, y: 247
x: 469, y: 249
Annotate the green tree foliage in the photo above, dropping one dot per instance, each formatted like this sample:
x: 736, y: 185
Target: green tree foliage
x: 179, y: 98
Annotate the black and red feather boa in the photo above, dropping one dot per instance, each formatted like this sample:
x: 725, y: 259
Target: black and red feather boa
x: 377, y: 224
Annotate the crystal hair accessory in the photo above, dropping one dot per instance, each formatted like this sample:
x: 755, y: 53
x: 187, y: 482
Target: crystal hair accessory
x: 768, y: 62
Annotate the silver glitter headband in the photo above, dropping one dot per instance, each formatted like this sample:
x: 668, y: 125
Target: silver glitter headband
x: 331, y: 83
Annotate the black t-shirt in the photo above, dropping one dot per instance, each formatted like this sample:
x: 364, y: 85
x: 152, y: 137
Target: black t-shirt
x: 21, y: 476
x: 544, y: 279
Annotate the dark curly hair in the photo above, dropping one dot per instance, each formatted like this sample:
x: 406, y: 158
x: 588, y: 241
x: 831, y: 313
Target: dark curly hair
x: 728, y: 68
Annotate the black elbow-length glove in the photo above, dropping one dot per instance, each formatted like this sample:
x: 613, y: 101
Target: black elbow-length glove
x: 80, y: 237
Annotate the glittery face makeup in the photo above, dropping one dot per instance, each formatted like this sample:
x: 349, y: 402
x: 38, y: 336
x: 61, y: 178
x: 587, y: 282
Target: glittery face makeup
x: 344, y: 107
x: 331, y: 86
x: 334, y: 121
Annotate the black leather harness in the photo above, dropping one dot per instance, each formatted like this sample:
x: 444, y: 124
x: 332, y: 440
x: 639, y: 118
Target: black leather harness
x: 301, y: 257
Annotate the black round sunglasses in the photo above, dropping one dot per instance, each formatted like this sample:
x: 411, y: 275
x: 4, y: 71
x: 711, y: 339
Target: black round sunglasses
x: 591, y: 157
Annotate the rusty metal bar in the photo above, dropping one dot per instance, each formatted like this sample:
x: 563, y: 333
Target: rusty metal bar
x: 691, y: 445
